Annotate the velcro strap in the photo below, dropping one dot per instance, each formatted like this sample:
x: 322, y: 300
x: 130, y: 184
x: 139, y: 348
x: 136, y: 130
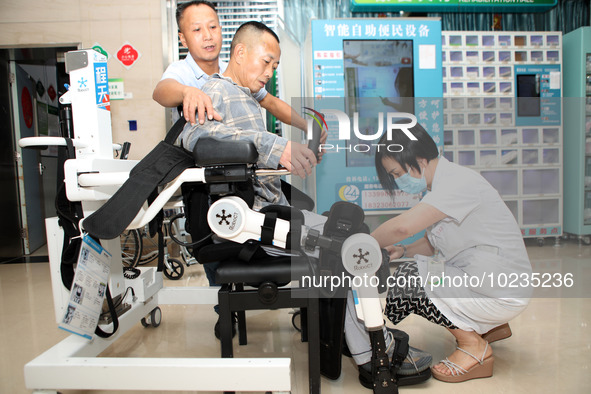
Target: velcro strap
x: 294, y: 237
x: 113, y: 312
x: 70, y: 148
x: 268, y: 228
x: 400, y: 348
x: 175, y: 130
x: 164, y: 163
x: 248, y: 250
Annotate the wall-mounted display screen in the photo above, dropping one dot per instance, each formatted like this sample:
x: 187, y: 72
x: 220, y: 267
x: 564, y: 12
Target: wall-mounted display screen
x: 528, y: 95
x: 378, y: 78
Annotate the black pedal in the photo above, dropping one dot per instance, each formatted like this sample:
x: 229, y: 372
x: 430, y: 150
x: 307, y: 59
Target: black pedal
x: 383, y: 377
x: 125, y: 151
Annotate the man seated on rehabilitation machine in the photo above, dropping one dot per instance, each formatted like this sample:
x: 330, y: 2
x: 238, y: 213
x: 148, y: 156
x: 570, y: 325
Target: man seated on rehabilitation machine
x: 254, y: 57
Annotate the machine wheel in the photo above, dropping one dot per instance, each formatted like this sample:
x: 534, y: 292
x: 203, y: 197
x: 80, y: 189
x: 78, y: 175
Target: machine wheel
x: 174, y: 270
x: 153, y: 319
x: 131, y: 247
x: 296, y: 320
x: 149, y: 250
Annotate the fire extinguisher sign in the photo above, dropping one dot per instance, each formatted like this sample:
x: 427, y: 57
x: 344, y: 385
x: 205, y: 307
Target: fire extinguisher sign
x: 101, y: 82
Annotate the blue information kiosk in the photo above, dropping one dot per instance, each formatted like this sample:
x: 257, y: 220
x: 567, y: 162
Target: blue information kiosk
x: 369, y: 74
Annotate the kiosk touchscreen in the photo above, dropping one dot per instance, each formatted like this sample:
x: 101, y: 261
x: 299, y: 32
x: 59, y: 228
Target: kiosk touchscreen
x: 368, y: 75
x: 381, y: 69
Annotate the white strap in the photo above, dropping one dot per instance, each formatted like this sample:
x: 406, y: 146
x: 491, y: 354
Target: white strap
x: 455, y: 369
x: 481, y: 360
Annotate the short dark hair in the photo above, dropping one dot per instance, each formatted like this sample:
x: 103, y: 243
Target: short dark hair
x: 250, y: 27
x: 424, y: 147
x: 180, y: 9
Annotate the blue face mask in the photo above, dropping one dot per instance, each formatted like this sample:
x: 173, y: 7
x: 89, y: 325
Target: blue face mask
x: 410, y: 184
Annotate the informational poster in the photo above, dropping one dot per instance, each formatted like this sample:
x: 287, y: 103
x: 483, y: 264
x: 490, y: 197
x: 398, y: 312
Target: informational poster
x: 88, y: 289
x: 116, y: 89
x: 370, y: 76
x: 101, y: 83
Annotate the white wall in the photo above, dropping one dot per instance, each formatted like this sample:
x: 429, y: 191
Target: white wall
x: 34, y: 23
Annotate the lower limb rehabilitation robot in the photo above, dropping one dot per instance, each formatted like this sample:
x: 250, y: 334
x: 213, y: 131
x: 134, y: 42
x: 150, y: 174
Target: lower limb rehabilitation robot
x: 92, y: 177
x: 360, y: 255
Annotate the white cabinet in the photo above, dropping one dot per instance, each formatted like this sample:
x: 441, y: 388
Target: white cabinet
x: 503, y: 118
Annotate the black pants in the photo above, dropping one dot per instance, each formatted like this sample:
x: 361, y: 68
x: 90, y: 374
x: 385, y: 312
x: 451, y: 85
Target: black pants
x: 412, y: 298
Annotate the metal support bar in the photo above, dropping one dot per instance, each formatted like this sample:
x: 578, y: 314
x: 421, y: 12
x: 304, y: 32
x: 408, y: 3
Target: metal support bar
x: 188, y: 296
x: 54, y: 369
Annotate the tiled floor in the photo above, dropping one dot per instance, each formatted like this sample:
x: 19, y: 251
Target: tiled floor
x: 549, y: 352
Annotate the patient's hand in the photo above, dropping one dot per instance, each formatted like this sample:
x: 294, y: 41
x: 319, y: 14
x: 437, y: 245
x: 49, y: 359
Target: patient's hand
x: 394, y: 251
x: 298, y: 159
x: 196, y: 104
x: 323, y: 138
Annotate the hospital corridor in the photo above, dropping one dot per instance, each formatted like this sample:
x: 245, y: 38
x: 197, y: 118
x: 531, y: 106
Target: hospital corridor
x: 295, y: 196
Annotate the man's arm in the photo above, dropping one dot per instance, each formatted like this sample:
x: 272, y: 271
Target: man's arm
x: 171, y: 93
x: 421, y: 246
x: 286, y: 114
x: 298, y: 159
x: 283, y: 111
x: 272, y: 149
x: 407, y: 224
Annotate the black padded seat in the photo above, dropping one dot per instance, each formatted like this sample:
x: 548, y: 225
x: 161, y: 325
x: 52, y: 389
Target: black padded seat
x: 210, y: 151
x: 280, y: 270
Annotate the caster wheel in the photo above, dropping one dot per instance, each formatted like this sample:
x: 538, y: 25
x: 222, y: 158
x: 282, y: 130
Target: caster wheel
x: 174, y: 270
x: 153, y: 319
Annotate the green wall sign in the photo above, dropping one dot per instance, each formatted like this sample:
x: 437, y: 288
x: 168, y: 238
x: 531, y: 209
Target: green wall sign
x: 97, y: 47
x: 452, y: 5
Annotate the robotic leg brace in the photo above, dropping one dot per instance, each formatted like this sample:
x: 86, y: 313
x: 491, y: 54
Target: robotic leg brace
x: 230, y: 218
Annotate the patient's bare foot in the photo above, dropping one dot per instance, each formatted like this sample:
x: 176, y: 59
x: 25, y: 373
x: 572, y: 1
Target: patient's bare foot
x: 472, y: 343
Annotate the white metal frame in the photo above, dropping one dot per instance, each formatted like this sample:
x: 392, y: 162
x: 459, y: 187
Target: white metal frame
x: 73, y: 363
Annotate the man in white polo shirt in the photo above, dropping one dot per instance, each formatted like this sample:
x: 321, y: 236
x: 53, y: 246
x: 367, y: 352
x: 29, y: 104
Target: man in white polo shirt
x: 182, y: 81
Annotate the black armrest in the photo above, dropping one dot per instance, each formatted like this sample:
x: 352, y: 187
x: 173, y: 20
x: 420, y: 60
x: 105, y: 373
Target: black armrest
x: 210, y: 151
x: 296, y: 197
